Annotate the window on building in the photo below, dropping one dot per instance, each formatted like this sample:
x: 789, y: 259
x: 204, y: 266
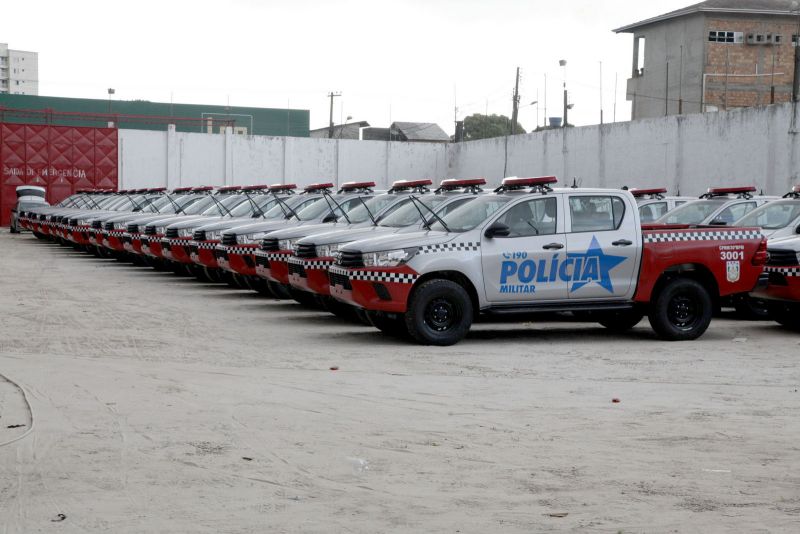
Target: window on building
x: 777, y: 39
x: 724, y: 36
x: 640, y: 55
x: 794, y: 39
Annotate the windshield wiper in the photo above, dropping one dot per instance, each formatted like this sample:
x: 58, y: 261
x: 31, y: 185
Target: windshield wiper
x: 371, y: 216
x: 417, y: 202
x: 219, y: 205
x: 328, y: 198
x: 288, y: 212
x: 178, y: 209
x: 257, y: 212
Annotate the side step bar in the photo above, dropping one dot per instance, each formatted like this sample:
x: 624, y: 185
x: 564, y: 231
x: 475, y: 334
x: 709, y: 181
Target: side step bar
x: 558, y: 307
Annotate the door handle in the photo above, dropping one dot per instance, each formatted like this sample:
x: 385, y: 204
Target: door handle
x: 553, y: 246
x: 622, y: 243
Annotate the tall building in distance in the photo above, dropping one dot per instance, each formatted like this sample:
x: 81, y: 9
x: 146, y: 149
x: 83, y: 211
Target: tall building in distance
x: 19, y: 71
x: 713, y: 56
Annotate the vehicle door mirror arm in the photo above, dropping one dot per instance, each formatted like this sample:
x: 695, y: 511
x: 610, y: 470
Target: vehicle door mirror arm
x: 497, y: 229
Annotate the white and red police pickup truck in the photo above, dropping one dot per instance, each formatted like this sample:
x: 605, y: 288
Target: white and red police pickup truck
x: 779, y: 286
x: 529, y: 248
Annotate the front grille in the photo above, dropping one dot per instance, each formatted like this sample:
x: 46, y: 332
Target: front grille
x: 42, y: 217
x: 782, y: 258
x: 351, y: 259
x: 269, y: 244
x: 199, y: 235
x: 306, y: 251
x: 171, y: 233
x: 132, y: 228
x: 337, y: 279
x: 150, y: 229
x: 97, y: 225
x: 108, y: 226
x: 73, y: 222
x: 262, y: 261
x: 228, y: 239
x: 296, y: 268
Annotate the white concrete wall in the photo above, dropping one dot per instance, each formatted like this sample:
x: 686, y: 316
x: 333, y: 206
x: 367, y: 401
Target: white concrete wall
x: 686, y: 153
x: 173, y: 159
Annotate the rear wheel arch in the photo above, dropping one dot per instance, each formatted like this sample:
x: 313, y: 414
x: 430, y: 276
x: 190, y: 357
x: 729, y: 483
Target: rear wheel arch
x: 694, y: 271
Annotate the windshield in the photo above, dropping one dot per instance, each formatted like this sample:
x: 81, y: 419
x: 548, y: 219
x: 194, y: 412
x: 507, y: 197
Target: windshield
x: 245, y: 209
x: 692, y: 213
x: 772, y: 216
x: 199, y: 206
x: 227, y: 201
x: 472, y: 214
x: 279, y: 211
x: 375, y: 204
x: 318, y: 209
x: 405, y: 213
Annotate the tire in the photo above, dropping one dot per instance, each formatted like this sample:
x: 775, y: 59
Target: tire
x: 621, y: 320
x: 279, y: 290
x: 750, y: 308
x: 681, y: 311
x: 305, y: 298
x: 260, y: 285
x: 786, y: 314
x: 439, y: 313
x: 390, y: 324
x: 341, y: 310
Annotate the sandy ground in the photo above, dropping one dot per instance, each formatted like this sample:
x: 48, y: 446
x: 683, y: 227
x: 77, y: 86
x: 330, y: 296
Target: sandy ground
x: 162, y: 404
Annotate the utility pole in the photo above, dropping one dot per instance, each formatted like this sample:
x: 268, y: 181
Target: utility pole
x: 796, y: 80
x: 515, y: 106
x: 332, y: 95
x: 601, y: 93
x: 563, y: 63
x: 666, y: 92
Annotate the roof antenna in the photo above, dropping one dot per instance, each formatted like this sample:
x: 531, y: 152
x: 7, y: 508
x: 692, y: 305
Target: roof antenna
x: 679, y: 190
x: 625, y: 188
x: 574, y: 183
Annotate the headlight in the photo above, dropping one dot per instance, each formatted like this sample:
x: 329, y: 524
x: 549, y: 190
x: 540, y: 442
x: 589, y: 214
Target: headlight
x: 185, y: 232
x: 389, y: 258
x: 82, y: 222
x: 161, y: 229
x: 798, y: 258
x: 250, y: 239
x: 286, y: 244
x: 327, y: 251
x: 213, y: 236
x: 120, y: 226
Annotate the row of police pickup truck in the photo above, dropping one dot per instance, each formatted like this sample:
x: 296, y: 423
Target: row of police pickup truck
x: 424, y: 262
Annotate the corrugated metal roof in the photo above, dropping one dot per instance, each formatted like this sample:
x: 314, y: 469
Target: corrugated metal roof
x: 746, y: 7
x: 420, y: 131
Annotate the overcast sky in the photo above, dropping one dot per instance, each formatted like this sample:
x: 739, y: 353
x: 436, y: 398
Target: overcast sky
x: 399, y: 60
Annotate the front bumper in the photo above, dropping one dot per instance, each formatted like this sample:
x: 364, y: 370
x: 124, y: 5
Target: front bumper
x: 310, y: 274
x: 203, y: 253
x: 180, y: 250
x: 276, y: 266
x: 151, y: 245
x: 779, y: 283
x: 375, y: 288
x: 239, y: 259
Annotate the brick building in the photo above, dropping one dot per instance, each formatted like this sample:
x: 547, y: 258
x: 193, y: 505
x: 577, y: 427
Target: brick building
x: 711, y: 56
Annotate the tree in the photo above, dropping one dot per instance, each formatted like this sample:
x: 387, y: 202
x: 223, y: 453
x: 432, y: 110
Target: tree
x: 479, y: 126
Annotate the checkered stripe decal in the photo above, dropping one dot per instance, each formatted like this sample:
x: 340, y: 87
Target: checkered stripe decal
x: 272, y: 256
x: 729, y: 235
x: 787, y: 271
x: 115, y: 233
x: 371, y: 276
x: 335, y: 269
x: 206, y: 246
x: 450, y: 247
x: 240, y: 250
x: 180, y: 242
x: 310, y: 264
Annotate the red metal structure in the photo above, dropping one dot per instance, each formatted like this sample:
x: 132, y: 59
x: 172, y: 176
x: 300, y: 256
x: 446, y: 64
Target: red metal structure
x: 58, y: 158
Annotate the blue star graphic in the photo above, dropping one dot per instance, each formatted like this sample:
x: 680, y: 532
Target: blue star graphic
x: 605, y: 263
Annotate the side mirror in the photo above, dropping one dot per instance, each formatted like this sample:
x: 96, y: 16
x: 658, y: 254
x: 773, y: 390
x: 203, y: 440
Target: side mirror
x: 718, y: 222
x: 797, y: 230
x: 330, y: 218
x: 497, y: 229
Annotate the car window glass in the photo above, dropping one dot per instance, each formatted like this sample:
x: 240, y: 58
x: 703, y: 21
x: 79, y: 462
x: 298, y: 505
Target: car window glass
x: 596, y: 213
x: 406, y: 212
x: 531, y: 218
x: 376, y: 204
x: 692, y: 212
x: 733, y: 213
x: 469, y: 216
x: 772, y: 216
x: 651, y: 212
